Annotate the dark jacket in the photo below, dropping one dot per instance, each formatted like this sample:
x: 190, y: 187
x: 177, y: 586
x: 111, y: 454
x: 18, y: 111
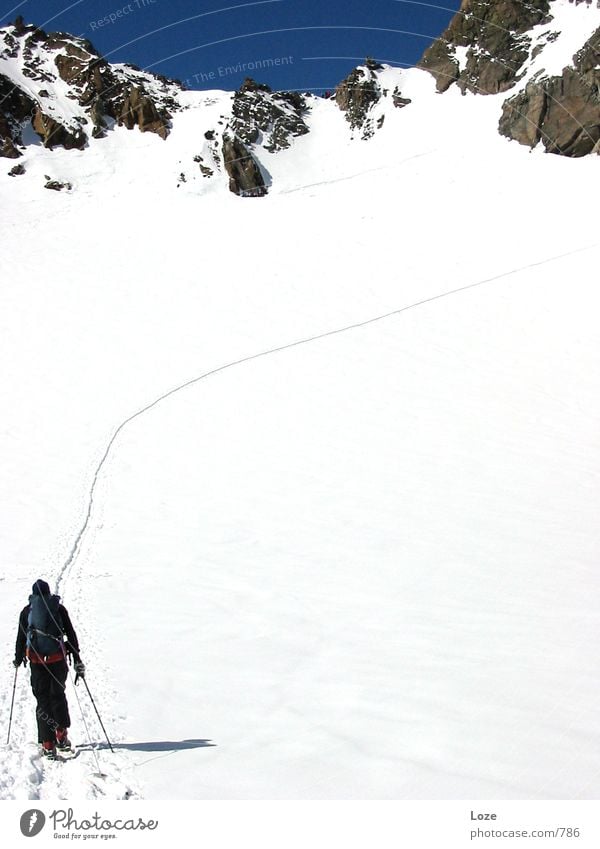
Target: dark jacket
x: 71, y: 645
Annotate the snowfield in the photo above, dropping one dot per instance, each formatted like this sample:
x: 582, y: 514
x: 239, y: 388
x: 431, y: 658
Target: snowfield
x: 365, y: 566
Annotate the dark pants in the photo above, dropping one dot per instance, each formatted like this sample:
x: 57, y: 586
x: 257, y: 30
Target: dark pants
x: 48, y: 684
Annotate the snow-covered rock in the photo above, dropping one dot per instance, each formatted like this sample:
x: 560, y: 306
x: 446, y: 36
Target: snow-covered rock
x: 60, y: 86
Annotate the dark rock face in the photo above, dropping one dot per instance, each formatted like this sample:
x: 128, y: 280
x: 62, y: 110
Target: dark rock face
x: 276, y: 117
x: 139, y: 110
x: 564, y: 112
x: 439, y: 60
x: 16, y: 107
x: 399, y: 101
x: 245, y: 177
x: 356, y: 96
x: 251, y: 85
x: 373, y: 64
x: 495, y: 35
x: 494, y: 42
x: 108, y: 94
x: 126, y: 95
x: 57, y: 186
x: 259, y: 117
x: 55, y: 134
x: 588, y: 58
x: 561, y: 111
x: 523, y: 114
x: 8, y: 149
x: 361, y: 92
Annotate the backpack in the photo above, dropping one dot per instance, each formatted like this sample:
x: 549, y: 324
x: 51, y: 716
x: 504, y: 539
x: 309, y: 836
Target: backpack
x: 44, y: 625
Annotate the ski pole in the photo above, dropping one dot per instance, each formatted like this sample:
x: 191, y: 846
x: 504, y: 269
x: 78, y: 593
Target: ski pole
x: 98, y: 715
x: 12, y: 704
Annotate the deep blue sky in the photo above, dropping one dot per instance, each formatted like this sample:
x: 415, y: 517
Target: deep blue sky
x: 303, y: 44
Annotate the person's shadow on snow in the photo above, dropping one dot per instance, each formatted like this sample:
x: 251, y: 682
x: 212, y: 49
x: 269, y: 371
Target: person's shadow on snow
x: 154, y: 746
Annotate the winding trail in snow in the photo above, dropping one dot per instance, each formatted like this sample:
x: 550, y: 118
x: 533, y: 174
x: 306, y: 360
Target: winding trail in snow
x: 77, y: 544
x: 33, y: 779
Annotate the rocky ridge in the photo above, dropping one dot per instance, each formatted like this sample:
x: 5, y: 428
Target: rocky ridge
x: 363, y: 97
x: 58, y: 87
x: 485, y: 48
x: 69, y: 92
x: 263, y: 118
x: 562, y: 111
x: 496, y: 47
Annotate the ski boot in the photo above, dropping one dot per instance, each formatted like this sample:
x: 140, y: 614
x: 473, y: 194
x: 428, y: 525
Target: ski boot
x: 63, y: 744
x: 49, y: 750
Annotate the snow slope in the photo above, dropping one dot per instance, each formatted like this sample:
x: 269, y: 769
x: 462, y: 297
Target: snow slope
x: 557, y: 42
x: 364, y: 566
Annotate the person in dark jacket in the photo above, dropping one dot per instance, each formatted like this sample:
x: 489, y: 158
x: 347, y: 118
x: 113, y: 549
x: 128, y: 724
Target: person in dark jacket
x: 48, y: 671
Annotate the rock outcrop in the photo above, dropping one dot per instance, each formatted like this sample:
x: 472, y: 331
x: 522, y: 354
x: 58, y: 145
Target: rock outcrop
x: 399, y: 101
x: 491, y: 47
x: 486, y: 45
x: 55, y: 134
x: 16, y: 108
x: 58, y: 186
x: 365, y: 96
x: 63, y: 65
x: 260, y: 119
x: 245, y: 177
x: 587, y: 59
x: 561, y: 112
x: 357, y: 94
x: 260, y: 115
x: 139, y: 110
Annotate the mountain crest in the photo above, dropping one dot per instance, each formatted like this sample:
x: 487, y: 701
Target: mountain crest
x: 69, y: 92
x: 540, y: 58
x: 502, y: 46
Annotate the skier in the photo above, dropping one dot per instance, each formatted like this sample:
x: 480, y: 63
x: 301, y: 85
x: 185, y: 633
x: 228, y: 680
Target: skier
x: 43, y: 625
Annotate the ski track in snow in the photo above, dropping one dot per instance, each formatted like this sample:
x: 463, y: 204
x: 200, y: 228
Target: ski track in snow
x: 24, y: 774
x: 64, y: 573
x: 37, y: 780
x: 347, y: 177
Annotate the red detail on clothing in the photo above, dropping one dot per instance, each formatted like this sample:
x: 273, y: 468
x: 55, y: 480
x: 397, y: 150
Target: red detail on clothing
x: 61, y: 734
x: 48, y: 745
x: 34, y: 657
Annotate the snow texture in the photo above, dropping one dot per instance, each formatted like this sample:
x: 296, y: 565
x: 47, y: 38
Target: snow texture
x: 364, y: 566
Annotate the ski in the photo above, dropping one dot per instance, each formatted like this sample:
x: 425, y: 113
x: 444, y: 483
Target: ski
x: 61, y: 755
x: 67, y: 754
